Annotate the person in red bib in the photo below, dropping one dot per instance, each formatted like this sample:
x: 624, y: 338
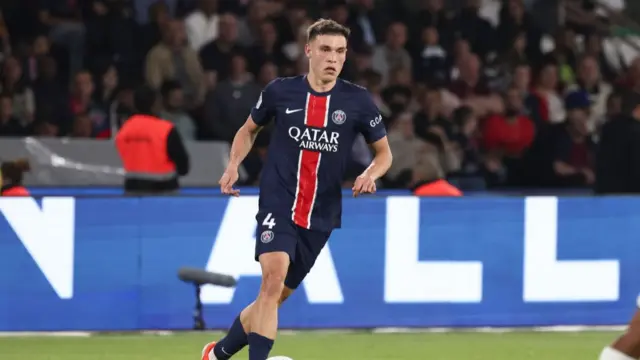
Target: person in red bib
x: 437, y: 188
x: 152, y: 152
x: 12, y: 174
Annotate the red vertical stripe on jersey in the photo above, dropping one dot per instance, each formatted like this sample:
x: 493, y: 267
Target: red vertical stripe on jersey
x: 309, y: 162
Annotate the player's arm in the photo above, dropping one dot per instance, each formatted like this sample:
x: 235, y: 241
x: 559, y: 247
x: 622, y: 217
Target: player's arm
x: 261, y: 115
x: 372, y: 127
x: 243, y: 141
x: 381, y: 161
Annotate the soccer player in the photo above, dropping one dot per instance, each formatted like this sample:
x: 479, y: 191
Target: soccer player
x: 627, y: 347
x: 317, y: 117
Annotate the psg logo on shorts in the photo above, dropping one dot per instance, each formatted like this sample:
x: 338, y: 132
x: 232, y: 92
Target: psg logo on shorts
x: 267, y: 236
x: 339, y: 117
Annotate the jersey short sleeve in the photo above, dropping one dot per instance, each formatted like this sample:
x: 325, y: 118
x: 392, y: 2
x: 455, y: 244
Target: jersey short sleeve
x: 370, y: 123
x: 265, y: 109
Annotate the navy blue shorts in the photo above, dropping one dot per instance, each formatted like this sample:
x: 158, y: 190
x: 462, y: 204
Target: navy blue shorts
x: 281, y: 234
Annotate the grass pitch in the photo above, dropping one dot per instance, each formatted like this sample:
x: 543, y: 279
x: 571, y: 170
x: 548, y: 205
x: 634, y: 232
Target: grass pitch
x: 320, y: 346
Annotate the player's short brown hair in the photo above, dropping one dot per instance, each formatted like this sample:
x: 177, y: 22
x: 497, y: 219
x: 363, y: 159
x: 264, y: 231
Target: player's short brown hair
x: 326, y: 27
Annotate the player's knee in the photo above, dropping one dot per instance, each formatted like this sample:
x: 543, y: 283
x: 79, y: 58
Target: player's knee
x: 274, y: 270
x: 272, y: 284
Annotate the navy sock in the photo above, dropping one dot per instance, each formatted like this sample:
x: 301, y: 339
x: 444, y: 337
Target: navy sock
x: 259, y: 346
x: 235, y: 340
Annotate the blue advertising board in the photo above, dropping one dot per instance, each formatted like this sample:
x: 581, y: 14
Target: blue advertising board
x: 110, y: 263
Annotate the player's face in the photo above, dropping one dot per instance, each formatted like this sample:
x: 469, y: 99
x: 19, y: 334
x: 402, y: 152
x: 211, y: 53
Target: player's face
x: 326, y: 55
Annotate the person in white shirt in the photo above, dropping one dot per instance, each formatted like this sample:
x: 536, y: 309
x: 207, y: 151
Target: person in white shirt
x: 202, y: 24
x: 590, y: 81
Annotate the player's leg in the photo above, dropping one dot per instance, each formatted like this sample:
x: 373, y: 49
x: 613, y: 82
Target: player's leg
x: 626, y: 347
x: 245, y: 315
x: 271, y: 237
x: 236, y: 338
x: 264, y: 312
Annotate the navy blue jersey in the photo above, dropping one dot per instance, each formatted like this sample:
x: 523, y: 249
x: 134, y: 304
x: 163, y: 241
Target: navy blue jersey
x: 311, y: 146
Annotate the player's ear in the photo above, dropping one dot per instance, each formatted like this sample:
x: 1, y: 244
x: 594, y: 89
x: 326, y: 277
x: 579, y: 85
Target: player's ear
x: 307, y: 50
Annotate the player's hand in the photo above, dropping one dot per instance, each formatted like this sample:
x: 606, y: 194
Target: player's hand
x: 227, y: 181
x: 364, y: 184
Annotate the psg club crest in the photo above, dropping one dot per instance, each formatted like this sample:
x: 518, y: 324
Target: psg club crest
x: 338, y: 117
x: 267, y: 236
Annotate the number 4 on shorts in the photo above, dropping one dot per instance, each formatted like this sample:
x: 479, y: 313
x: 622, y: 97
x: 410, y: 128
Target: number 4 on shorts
x: 269, y: 221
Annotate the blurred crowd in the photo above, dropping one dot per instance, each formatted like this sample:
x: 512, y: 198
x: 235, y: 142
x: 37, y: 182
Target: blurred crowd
x: 463, y: 98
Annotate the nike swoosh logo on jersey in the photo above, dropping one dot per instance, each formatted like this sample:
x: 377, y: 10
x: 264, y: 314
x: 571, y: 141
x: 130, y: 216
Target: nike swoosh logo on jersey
x: 292, y: 111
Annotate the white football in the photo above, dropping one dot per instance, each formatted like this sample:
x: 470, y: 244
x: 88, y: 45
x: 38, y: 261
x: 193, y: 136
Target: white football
x: 279, y: 358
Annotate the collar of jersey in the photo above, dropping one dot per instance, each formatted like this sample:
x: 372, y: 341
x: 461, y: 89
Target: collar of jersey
x: 316, y: 93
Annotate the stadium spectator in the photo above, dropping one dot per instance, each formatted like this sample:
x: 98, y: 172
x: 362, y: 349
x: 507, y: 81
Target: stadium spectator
x: 630, y: 80
x: 392, y: 54
x: 438, y: 158
x: 111, y: 36
x: 509, y: 134
x: 82, y: 127
x: 267, y: 73
x: 522, y: 79
x: 107, y: 88
x: 367, y: 23
x: 63, y: 19
x: 565, y: 55
x: 33, y: 55
x: 5, y: 39
x: 389, y: 102
x: 619, y: 150
x: 266, y: 48
x: 83, y: 102
x: 51, y: 96
x: 173, y: 59
x: 10, y: 125
x: 289, y: 22
x: 250, y: 27
x: 216, y: 55
x: 516, y: 51
x: 12, y: 173
x: 294, y: 51
x: 433, y: 14
x: 174, y: 112
x: 202, y: 24
x: 431, y: 61
x: 590, y: 81
x: 465, y: 141
x: 477, y: 30
x: 430, y: 115
x: 362, y: 59
x: 545, y: 103
x: 572, y: 149
x: 122, y: 107
x: 14, y: 82
x: 151, y: 32
x: 406, y: 147
x: 227, y: 107
x: 614, y: 106
x: 338, y: 11
x: 593, y: 46
x: 470, y: 83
